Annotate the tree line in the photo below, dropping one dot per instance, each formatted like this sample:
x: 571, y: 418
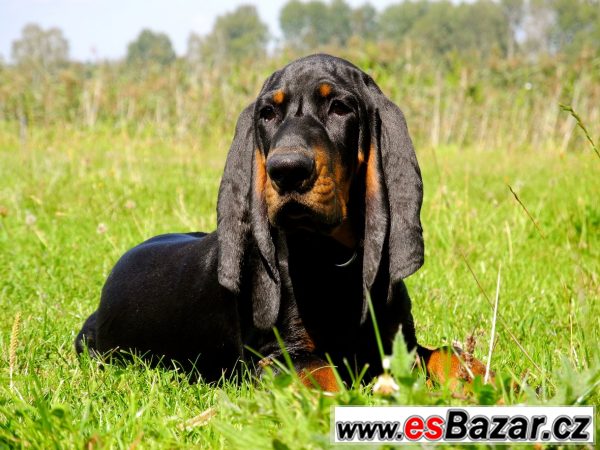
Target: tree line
x: 479, y: 29
x: 482, y: 70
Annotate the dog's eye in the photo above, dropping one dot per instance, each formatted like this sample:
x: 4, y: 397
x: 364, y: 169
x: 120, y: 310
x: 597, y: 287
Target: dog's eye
x: 267, y: 113
x: 339, y: 108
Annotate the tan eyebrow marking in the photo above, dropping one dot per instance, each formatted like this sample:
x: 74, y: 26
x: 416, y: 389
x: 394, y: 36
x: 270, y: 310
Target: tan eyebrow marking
x: 278, y: 97
x: 325, y: 89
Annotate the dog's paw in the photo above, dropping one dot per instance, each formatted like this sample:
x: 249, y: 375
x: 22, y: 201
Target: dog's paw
x: 451, y: 365
x: 318, y: 374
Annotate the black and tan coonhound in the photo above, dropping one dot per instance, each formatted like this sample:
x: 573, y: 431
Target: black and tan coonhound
x: 318, y: 206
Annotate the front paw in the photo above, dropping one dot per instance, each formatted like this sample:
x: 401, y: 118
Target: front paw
x: 312, y: 371
x: 317, y: 373
x: 450, y: 365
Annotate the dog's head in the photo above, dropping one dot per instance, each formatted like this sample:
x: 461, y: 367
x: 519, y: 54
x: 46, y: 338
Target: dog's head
x: 307, y: 133
x: 319, y: 134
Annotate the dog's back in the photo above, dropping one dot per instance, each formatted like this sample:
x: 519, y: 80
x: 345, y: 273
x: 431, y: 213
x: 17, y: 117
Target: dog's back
x: 162, y: 300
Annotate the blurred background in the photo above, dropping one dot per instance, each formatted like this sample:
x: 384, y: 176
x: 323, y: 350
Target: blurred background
x: 488, y: 74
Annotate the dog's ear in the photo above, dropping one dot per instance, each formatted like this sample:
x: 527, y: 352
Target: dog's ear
x: 266, y: 282
x: 242, y: 221
x: 394, y: 192
x: 233, y: 216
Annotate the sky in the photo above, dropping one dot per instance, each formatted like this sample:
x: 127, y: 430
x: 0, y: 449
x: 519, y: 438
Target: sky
x: 101, y: 29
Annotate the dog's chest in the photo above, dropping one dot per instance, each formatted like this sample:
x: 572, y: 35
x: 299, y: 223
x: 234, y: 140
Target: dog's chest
x: 329, y: 299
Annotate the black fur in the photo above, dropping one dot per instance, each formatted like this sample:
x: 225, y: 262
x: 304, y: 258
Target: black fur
x: 202, y: 299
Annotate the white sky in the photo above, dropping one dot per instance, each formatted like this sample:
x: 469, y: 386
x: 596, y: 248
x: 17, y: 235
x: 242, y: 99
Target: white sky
x: 100, y: 29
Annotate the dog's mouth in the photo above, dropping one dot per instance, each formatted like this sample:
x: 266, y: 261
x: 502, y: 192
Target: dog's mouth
x: 294, y: 215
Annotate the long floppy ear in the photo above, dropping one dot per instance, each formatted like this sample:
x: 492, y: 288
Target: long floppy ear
x: 242, y: 222
x: 394, y: 192
x: 266, y: 286
x: 233, y: 218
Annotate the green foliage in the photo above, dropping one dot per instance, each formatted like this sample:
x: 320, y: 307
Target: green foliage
x: 569, y: 27
x: 363, y: 22
x: 308, y: 25
x: 443, y: 28
x: 583, y: 127
x: 236, y: 36
x: 481, y: 28
x: 397, y: 20
x: 339, y: 22
x: 402, y: 364
x: 577, y: 25
x: 150, y: 48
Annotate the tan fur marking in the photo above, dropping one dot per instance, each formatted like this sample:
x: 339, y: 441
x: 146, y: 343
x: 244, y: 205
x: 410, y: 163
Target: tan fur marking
x: 271, y: 198
x: 320, y: 373
x: 323, y: 193
x: 325, y: 89
x: 444, y: 366
x: 278, y: 97
x: 372, y: 180
x: 328, y: 195
x: 342, y: 180
x: 361, y: 158
x: 343, y: 233
x: 261, y: 172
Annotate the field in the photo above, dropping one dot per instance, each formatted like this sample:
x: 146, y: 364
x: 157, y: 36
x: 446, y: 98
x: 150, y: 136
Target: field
x: 74, y: 197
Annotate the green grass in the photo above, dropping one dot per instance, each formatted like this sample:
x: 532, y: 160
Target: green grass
x: 72, y: 201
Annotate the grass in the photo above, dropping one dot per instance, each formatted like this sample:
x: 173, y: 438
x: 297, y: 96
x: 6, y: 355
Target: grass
x: 72, y: 201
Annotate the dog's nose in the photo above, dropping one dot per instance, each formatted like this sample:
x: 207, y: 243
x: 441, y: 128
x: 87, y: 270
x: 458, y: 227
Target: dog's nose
x: 289, y: 170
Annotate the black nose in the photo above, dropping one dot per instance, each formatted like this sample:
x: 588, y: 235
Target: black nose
x: 289, y: 170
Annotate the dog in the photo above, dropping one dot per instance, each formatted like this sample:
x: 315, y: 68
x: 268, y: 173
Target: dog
x: 318, y: 208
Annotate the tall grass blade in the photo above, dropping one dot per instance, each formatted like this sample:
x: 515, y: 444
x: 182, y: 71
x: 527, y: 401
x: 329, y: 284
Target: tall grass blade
x: 493, y: 333
x: 570, y: 110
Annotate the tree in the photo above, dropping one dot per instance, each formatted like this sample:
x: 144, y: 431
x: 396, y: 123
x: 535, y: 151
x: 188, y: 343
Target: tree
x: 482, y: 28
x: 538, y: 22
x: 151, y: 47
x: 47, y: 50
x: 437, y: 28
x: 576, y: 26
x: 364, y: 22
x: 193, y: 54
x: 305, y: 25
x: 340, y: 22
x: 293, y: 23
x: 397, y: 20
x: 235, y: 36
x: 443, y: 27
x: 314, y: 23
x: 514, y: 11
